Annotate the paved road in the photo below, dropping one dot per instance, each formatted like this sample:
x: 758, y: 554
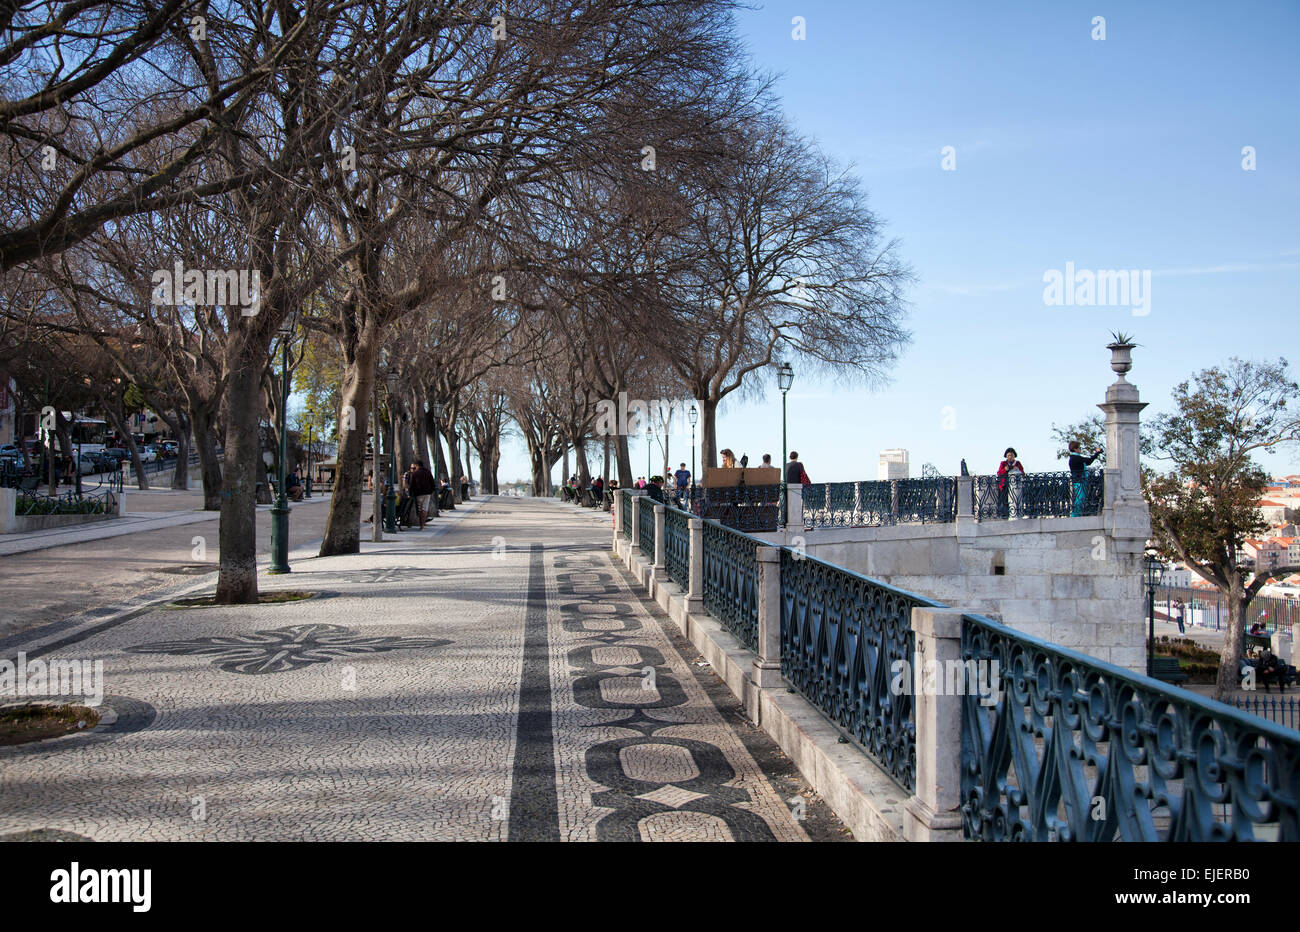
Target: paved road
x: 493, y: 679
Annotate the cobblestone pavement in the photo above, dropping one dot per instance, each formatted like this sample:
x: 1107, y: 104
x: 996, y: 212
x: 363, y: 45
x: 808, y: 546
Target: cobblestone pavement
x: 494, y: 679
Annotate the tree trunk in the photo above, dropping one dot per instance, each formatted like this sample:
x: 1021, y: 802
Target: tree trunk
x: 624, y: 458
x: 709, y: 436
x: 245, y: 362
x: 181, y: 476
x: 205, y: 439
x: 343, y: 526
x: 1229, y: 678
x: 584, y: 472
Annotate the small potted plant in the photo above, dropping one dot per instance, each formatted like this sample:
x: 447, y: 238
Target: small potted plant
x: 1121, y: 352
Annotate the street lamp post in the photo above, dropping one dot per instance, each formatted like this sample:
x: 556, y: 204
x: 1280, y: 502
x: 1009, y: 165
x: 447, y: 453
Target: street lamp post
x: 784, y: 379
x: 692, y: 415
x: 390, y: 495
x: 307, y: 482
x: 280, y: 510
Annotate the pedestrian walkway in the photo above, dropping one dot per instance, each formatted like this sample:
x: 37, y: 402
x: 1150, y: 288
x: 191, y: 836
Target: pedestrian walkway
x: 495, y: 678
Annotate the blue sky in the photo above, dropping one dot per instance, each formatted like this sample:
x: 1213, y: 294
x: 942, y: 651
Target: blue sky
x: 1123, y: 153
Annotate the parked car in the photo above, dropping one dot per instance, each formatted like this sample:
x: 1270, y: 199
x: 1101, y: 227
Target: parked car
x: 148, y: 455
x: 112, y: 458
x: 170, y: 449
x: 10, y: 454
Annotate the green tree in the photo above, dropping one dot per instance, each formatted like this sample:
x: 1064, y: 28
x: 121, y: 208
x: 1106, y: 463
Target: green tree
x: 1091, y: 434
x: 1205, y: 505
x: 317, y: 379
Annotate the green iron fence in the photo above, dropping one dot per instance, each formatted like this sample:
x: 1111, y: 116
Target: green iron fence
x: 731, y: 581
x: 844, y: 638
x: 677, y: 544
x: 1074, y: 749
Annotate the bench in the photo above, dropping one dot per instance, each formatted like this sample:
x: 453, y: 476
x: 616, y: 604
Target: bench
x: 1167, y: 670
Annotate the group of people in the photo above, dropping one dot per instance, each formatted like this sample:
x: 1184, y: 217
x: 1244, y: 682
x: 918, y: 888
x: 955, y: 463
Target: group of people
x: 1078, y: 474
x: 414, y: 488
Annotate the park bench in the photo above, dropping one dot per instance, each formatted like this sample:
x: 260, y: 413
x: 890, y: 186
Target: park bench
x: 1167, y: 670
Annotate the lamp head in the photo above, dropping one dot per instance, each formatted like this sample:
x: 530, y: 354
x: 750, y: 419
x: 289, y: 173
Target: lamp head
x: 785, y: 376
x: 692, y: 415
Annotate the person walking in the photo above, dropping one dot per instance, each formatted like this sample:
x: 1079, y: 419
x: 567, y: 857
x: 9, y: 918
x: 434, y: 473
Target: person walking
x: 1006, y: 468
x: 1079, y: 476
x: 1178, y: 615
x: 422, y: 485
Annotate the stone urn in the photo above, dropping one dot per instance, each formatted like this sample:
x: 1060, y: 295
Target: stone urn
x: 1121, y: 356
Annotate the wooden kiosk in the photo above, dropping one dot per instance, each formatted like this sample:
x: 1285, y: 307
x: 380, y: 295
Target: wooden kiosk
x: 747, y: 498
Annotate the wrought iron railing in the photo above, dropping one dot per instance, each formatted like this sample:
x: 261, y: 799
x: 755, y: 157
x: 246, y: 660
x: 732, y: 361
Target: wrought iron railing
x: 1283, y: 710
x: 627, y: 514
x: 677, y: 546
x: 844, y: 638
x: 847, y: 504
x: 32, y: 503
x: 1037, y: 495
x: 746, y: 508
x: 926, y: 500
x: 1074, y: 749
x: 731, y: 581
x: 646, y: 526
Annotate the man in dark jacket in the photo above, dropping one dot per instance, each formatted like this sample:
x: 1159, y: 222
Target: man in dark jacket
x: 422, y: 486
x: 794, y: 473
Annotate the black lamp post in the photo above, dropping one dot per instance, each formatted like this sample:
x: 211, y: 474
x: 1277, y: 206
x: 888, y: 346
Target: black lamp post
x: 280, y: 510
x: 390, y: 494
x: 692, y: 415
x: 307, y: 481
x: 1153, y: 569
x: 784, y: 379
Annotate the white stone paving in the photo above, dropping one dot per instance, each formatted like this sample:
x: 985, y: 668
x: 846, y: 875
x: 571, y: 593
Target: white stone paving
x: 413, y: 743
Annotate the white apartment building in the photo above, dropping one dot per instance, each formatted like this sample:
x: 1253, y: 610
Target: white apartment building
x: 893, y: 465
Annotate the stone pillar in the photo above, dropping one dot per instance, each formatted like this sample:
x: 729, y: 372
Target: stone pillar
x: 660, y: 553
x: 695, y: 592
x: 1127, y: 518
x: 794, y: 507
x: 933, y: 812
x: 965, y: 506
x: 8, y: 505
x: 767, y: 663
x: 618, y: 514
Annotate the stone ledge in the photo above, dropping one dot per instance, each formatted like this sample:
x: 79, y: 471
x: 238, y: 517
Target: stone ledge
x: 858, y: 791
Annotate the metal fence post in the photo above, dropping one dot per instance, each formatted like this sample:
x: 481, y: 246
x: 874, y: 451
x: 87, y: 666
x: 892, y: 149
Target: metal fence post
x: 695, y: 592
x: 893, y: 500
x: 933, y: 812
x: 767, y: 662
x: 661, y: 553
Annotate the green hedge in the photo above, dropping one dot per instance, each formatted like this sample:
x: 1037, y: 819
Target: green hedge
x: 27, y: 506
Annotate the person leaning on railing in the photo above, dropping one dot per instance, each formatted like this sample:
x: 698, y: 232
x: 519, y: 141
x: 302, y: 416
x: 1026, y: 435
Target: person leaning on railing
x: 1005, y: 468
x: 1079, y: 476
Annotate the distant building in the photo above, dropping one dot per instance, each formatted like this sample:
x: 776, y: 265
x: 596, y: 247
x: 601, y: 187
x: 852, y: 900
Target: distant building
x: 893, y: 465
x: 1272, y: 511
